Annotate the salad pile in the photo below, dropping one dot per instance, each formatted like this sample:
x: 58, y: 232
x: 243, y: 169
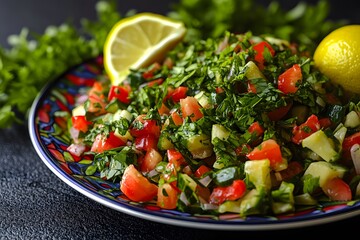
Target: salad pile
x: 239, y: 123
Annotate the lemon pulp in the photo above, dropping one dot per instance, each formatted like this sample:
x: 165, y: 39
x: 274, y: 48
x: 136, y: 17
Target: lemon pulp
x: 138, y: 41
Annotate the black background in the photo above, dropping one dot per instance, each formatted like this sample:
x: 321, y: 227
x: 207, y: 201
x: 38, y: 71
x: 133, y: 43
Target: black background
x: 35, y: 204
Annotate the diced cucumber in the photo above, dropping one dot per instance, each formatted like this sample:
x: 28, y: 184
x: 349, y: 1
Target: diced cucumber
x: 164, y: 143
x: 352, y: 120
x: 325, y: 171
x: 340, y: 133
x: 252, y: 71
x: 226, y: 176
x: 230, y: 206
x: 188, y: 186
x: 119, y: 114
x: 79, y: 111
x: 203, y: 100
x: 219, y: 131
x: 258, y: 172
x: 185, y: 181
x: 254, y: 202
x: 305, y: 199
x: 112, y: 106
x: 319, y: 143
x: 124, y: 138
x: 283, y: 198
x: 200, y: 146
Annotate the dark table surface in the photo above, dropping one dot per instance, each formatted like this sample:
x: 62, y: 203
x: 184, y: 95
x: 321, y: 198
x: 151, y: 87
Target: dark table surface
x: 35, y: 204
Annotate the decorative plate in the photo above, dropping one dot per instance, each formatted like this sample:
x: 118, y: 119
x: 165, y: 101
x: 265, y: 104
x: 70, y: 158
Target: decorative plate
x: 48, y: 133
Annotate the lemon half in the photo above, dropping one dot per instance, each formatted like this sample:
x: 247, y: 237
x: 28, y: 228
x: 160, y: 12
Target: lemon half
x: 139, y: 41
x: 338, y: 57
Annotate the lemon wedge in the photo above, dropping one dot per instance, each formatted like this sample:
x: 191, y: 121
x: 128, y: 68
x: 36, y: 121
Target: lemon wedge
x: 338, y: 57
x: 138, y: 41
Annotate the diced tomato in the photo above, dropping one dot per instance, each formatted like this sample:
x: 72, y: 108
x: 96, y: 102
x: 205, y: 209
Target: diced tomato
x: 219, y: 90
x: 201, y: 171
x: 146, y: 142
x: 256, y: 129
x: 348, y: 143
x: 155, y: 82
x: 292, y: 170
x: 176, y: 158
x: 233, y: 192
x: 95, y: 105
x: 177, y: 94
x: 137, y: 187
x: 119, y: 92
x: 97, y: 90
x: 280, y: 112
x: 325, y: 122
x: 151, y: 159
x: 143, y: 127
x: 337, y: 190
x: 170, y: 171
x: 288, y: 80
x: 251, y: 88
x: 305, y: 129
x: 103, y: 143
x: 191, y: 108
x: 80, y: 123
x: 259, y: 48
x: 243, y: 150
x: 268, y: 149
x: 167, y: 196
x: 164, y: 110
x: 177, y: 119
x: 203, y: 192
x: 150, y: 72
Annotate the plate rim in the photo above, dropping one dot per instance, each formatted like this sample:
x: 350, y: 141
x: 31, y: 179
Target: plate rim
x: 46, y: 157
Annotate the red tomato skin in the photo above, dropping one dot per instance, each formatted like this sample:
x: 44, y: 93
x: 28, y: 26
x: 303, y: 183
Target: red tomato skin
x: 164, y: 110
x: 179, y: 93
x: 167, y: 196
x: 288, y: 80
x: 268, y: 149
x: 175, y: 158
x: 233, y: 192
x: 97, y: 90
x: 191, y: 108
x: 292, y: 170
x: 256, y: 129
x: 137, y: 187
x: 146, y: 142
x: 102, y: 143
x: 119, y: 92
x: 305, y: 129
x: 201, y: 171
x: 348, y: 143
x: 80, y: 123
x: 149, y: 126
x: 96, y: 105
x: 279, y: 113
x: 150, y: 160
x: 251, y: 88
x: 177, y: 119
x: 337, y: 190
x: 259, y: 48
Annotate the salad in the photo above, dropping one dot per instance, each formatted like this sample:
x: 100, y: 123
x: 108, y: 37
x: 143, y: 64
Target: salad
x: 241, y: 123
